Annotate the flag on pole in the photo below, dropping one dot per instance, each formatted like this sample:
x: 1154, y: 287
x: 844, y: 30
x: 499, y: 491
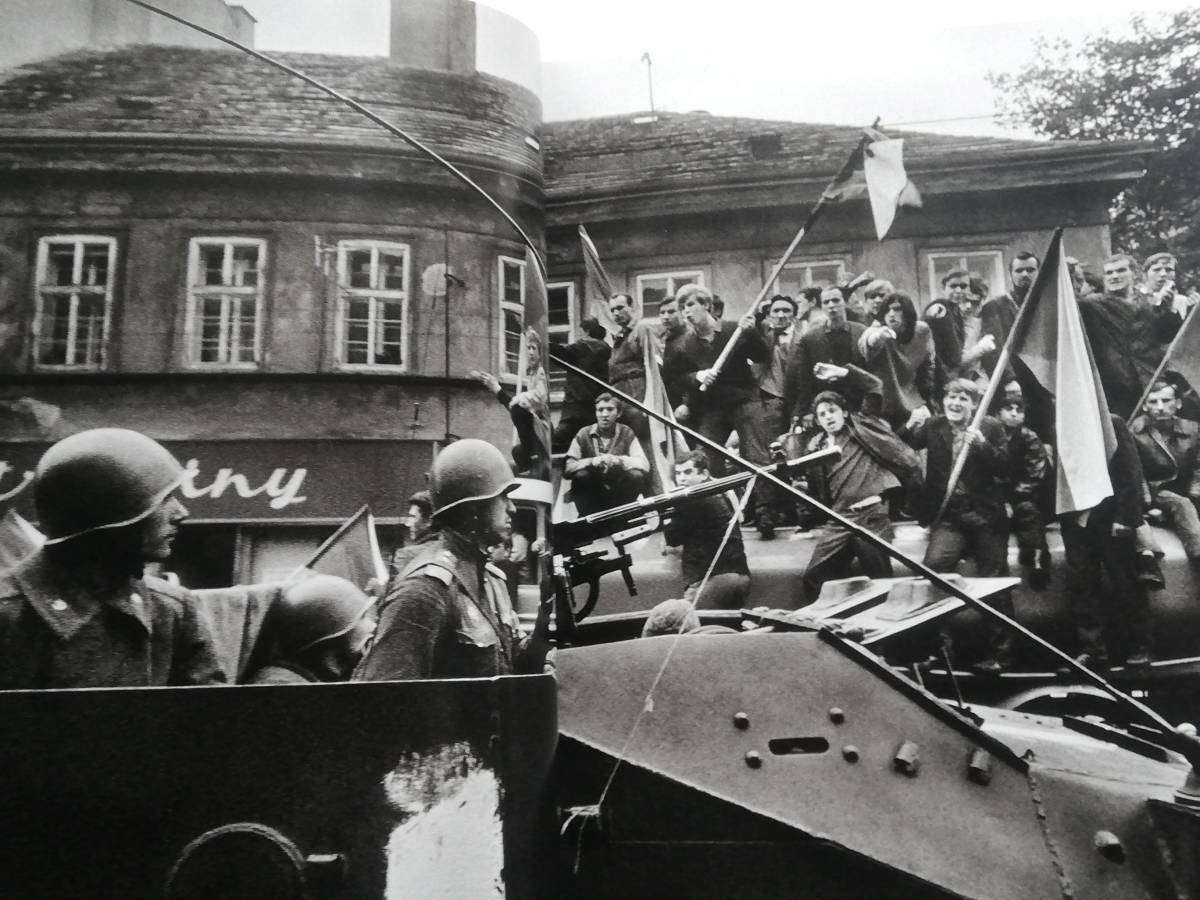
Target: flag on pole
x: 1053, y: 347
x: 1184, y: 358
x: 597, y: 289
x: 876, y: 170
x: 351, y: 553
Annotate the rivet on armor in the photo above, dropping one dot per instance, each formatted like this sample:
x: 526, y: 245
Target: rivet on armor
x: 850, y: 753
x: 741, y: 721
x: 753, y: 760
x: 979, y: 767
x: 908, y: 759
x: 837, y: 715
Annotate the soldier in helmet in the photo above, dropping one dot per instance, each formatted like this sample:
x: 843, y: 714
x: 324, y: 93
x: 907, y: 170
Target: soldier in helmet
x: 448, y: 614
x: 78, y: 612
x: 320, y: 627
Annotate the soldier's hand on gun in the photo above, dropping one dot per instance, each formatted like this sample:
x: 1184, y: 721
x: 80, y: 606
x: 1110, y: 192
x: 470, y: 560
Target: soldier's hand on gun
x: 829, y: 372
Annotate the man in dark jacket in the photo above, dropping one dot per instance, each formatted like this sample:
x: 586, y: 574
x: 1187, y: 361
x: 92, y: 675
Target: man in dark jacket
x: 729, y: 401
x: 834, y: 341
x: 873, y: 463
x: 700, y: 525
x: 591, y: 354
x: 78, y: 612
x: 1101, y: 542
x: 1027, y: 467
x: 1169, y: 449
x: 1128, y: 334
x: 1000, y: 312
x: 974, y: 523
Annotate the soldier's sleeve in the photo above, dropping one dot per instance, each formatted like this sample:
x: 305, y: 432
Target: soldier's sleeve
x: 406, y: 642
x: 194, y: 660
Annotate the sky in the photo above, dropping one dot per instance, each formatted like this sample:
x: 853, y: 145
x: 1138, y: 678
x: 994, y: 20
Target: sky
x: 921, y: 64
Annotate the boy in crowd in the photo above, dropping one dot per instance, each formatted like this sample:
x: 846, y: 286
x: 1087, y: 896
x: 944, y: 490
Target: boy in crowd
x: 1027, y: 467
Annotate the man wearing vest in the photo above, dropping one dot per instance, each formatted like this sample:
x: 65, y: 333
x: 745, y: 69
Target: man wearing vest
x: 605, y: 463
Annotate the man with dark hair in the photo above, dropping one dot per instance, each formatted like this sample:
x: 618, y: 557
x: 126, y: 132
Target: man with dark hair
x: 836, y: 341
x: 780, y: 335
x: 700, y: 524
x: 79, y: 611
x: 673, y: 331
x: 875, y: 293
x: 1169, y: 448
x: 974, y: 522
x: 1000, y: 312
x: 958, y: 336
x: 1128, y: 334
x: 605, y: 462
x: 1027, y: 468
x: 730, y: 401
x: 873, y: 463
x: 591, y: 354
x: 627, y: 362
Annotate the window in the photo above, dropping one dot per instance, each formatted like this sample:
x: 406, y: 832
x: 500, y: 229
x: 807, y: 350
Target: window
x: 512, y: 314
x: 75, y: 275
x: 560, y: 298
x: 652, y: 289
x: 796, y: 276
x: 225, y: 301
x: 372, y: 305
x: 987, y: 264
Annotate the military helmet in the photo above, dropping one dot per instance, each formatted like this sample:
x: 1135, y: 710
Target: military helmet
x: 467, y: 470
x: 316, y: 609
x: 102, y: 478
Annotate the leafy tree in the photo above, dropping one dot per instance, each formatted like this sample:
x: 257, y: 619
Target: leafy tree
x: 1144, y: 85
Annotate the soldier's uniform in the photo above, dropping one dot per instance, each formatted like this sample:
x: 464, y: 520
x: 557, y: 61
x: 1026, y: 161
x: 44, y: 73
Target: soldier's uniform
x: 447, y: 616
x: 145, y: 633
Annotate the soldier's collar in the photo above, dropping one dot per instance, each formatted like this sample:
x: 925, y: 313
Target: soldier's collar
x: 47, y: 597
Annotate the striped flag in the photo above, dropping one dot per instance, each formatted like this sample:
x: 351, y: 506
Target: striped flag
x: 351, y: 553
x: 1053, y: 347
x: 597, y: 289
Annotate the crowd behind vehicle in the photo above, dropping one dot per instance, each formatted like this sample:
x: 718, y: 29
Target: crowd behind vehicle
x: 852, y: 367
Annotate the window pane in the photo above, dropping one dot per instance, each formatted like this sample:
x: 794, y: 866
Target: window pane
x: 559, y: 299
x: 95, y: 265
x: 391, y: 270
x: 89, y: 330
x: 211, y: 259
x: 61, y: 265
x: 245, y: 266
x: 824, y: 275
x: 512, y: 340
x: 358, y: 263
x: 512, y: 284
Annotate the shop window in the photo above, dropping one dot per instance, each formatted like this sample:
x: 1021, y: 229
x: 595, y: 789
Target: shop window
x: 74, y: 289
x: 987, y: 264
x: 225, y: 301
x: 372, y: 324
x: 512, y: 314
x: 560, y: 298
x: 654, y: 287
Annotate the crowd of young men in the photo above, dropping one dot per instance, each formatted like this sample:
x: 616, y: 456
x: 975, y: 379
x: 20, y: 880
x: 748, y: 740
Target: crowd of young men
x: 897, y: 392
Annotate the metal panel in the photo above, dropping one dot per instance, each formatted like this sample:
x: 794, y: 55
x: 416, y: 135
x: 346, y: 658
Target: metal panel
x: 104, y: 789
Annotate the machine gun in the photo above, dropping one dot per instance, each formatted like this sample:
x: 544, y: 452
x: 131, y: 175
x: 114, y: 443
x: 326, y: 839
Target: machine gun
x: 632, y: 522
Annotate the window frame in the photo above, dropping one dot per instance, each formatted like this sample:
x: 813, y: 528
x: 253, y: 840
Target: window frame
x: 996, y: 282
x: 571, y: 329
x: 41, y: 290
x: 196, y: 291
x: 807, y: 265
x: 345, y: 293
x: 700, y: 276
x: 502, y: 305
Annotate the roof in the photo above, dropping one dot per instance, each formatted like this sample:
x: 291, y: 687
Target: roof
x: 160, y: 93
x: 661, y: 153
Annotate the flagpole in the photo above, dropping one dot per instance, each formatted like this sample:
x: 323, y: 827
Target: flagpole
x: 1035, y: 291
x: 845, y: 172
x: 1162, y: 366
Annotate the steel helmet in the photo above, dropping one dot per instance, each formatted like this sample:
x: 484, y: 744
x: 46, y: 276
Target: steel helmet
x: 102, y: 478
x: 316, y: 609
x: 467, y: 470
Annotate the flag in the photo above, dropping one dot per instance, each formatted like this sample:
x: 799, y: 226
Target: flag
x: 351, y: 553
x: 1053, y: 347
x: 888, y: 186
x: 597, y: 289
x: 666, y: 443
x: 875, y: 169
x: 1183, y: 358
x: 17, y: 539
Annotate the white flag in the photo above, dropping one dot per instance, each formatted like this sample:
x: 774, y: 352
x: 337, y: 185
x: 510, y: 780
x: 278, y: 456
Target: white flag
x: 887, y: 182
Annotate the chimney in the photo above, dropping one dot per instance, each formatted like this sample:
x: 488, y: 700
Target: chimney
x: 434, y: 34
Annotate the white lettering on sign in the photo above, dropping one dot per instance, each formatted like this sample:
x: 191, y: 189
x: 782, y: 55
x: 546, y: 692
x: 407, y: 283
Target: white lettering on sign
x: 283, y: 493
x: 6, y: 469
